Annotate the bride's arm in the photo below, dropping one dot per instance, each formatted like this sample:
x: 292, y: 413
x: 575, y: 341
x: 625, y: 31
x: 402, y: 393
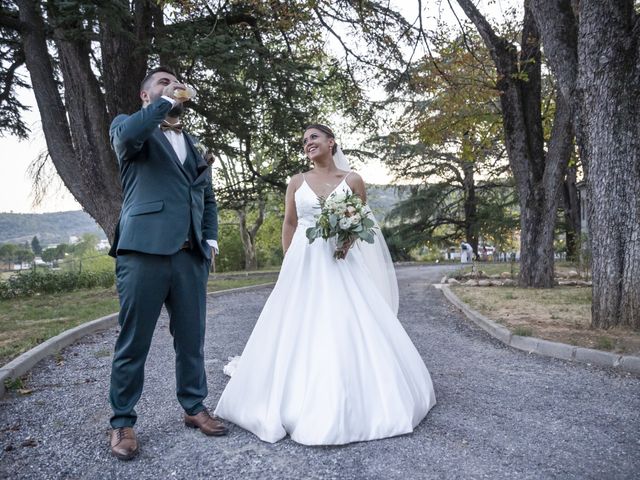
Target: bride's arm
x: 290, y: 215
x: 357, y: 186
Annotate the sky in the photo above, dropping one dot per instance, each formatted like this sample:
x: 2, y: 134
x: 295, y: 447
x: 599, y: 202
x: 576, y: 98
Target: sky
x: 16, y: 156
x: 16, y: 192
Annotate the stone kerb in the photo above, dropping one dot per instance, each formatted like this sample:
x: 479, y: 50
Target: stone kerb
x: 627, y: 363
x: 25, y: 362
x: 22, y: 364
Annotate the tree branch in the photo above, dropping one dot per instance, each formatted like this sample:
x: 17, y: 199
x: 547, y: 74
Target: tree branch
x: 10, y: 75
x: 559, y: 32
x: 494, y: 43
x: 11, y: 20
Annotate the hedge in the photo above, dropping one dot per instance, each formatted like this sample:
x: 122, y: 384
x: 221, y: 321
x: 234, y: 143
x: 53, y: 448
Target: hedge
x: 34, y: 282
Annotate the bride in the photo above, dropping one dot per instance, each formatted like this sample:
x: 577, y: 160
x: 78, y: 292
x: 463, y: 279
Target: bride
x: 328, y: 362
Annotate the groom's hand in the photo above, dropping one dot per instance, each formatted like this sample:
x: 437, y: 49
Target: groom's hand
x: 169, y: 91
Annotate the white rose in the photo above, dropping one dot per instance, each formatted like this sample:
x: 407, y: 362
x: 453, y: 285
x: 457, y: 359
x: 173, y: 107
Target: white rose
x: 345, y: 223
x: 330, y: 204
x: 339, y: 197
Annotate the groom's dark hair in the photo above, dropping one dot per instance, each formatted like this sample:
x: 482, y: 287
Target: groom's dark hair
x: 327, y: 131
x: 152, y: 72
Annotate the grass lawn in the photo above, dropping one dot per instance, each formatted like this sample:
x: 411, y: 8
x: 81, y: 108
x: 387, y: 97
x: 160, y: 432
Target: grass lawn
x: 560, y: 314
x: 27, y: 322
x: 490, y: 268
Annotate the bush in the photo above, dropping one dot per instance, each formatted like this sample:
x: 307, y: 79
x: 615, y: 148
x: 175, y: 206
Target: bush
x: 269, y: 242
x: 231, y: 256
x: 33, y: 282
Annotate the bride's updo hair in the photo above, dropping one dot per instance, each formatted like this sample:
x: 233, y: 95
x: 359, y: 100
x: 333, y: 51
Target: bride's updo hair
x: 327, y: 131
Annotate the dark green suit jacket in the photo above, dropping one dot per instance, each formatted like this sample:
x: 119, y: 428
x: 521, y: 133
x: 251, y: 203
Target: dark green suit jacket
x: 164, y: 202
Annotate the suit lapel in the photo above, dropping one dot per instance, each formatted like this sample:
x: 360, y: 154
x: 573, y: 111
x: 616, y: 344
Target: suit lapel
x: 201, y: 164
x: 172, y: 153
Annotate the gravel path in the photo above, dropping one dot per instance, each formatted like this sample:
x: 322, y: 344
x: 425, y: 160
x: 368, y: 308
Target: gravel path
x: 501, y: 413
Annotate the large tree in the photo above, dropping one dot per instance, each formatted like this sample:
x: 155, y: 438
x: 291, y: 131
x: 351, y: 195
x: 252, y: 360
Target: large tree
x: 252, y: 108
x: 86, y: 59
x: 594, y: 50
x: 447, y: 138
x: 538, y: 169
x: 75, y: 122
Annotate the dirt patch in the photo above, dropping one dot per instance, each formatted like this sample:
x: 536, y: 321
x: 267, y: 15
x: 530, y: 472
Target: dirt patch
x: 561, y: 314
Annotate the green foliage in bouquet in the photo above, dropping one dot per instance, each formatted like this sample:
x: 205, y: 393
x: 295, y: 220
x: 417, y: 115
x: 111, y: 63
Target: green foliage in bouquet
x: 345, y: 217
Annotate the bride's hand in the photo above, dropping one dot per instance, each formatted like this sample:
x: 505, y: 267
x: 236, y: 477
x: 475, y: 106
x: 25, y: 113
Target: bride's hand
x: 341, y: 252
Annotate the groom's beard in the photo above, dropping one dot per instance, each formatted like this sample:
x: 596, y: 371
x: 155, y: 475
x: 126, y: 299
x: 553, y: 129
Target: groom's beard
x: 176, y: 111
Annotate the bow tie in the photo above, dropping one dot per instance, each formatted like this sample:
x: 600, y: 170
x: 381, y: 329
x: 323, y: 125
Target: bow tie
x: 174, y: 127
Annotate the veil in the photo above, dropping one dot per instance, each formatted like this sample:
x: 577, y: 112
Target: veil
x: 376, y: 255
x: 340, y: 160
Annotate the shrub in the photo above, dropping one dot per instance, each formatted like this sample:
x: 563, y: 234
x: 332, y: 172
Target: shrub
x: 33, y: 282
x: 231, y: 254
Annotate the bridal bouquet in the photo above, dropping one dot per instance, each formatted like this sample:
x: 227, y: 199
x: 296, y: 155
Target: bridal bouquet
x: 345, y: 217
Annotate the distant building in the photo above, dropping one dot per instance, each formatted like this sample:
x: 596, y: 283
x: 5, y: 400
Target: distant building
x: 451, y: 253
x: 39, y: 261
x: 103, y: 245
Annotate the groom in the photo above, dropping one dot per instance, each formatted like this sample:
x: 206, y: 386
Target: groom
x: 164, y: 245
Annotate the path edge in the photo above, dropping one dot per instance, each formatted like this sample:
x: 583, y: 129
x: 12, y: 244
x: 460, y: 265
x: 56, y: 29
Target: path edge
x: 562, y: 351
x: 25, y: 362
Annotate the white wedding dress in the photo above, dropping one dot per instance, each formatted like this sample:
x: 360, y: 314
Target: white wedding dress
x: 328, y: 362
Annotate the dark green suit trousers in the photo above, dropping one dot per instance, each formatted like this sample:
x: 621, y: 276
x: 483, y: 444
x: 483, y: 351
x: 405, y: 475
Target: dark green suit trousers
x: 146, y: 282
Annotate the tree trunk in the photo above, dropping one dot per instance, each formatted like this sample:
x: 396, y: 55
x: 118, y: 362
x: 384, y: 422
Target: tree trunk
x: 538, y: 175
x: 571, y: 207
x: 77, y: 130
x: 537, y: 220
x: 52, y: 112
x: 95, y: 182
x: 609, y: 114
x: 597, y: 69
x: 249, y: 236
x: 125, y: 47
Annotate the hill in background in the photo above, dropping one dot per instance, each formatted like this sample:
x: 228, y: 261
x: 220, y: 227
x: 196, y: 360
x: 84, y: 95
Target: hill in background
x: 50, y: 228
x: 54, y: 228
x: 382, y: 198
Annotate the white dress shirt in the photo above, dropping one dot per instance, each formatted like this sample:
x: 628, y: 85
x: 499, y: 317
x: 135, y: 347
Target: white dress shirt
x: 179, y: 145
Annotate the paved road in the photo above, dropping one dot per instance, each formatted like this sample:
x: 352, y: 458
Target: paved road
x: 501, y: 413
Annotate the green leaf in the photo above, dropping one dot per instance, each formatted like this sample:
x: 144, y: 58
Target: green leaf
x: 367, y: 223
x: 312, y: 234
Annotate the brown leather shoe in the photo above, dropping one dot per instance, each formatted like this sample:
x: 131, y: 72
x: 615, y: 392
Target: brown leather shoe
x: 124, y: 444
x: 209, y: 425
